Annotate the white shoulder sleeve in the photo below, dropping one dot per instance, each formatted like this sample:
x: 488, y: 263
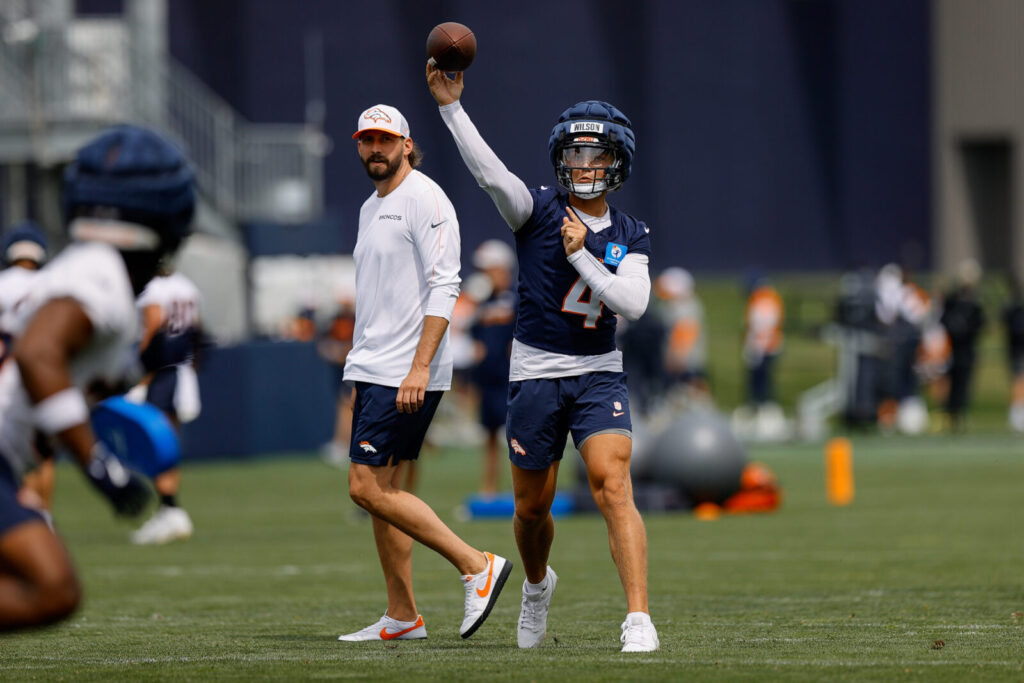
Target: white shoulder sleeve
x: 626, y: 291
x: 509, y: 193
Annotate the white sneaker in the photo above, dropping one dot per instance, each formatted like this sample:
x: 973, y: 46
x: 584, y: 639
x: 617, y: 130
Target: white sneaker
x: 167, y: 524
x: 533, y: 617
x: 482, y: 592
x: 389, y: 629
x: 638, y: 633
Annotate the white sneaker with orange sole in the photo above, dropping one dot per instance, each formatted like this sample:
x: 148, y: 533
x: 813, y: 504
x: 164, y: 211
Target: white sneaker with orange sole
x: 482, y: 592
x: 389, y: 629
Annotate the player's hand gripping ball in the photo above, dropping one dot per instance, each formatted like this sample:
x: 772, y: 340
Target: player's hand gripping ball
x: 452, y: 46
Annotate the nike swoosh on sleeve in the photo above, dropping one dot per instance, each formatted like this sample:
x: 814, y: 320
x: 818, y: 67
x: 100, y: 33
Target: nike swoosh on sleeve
x: 434, y: 225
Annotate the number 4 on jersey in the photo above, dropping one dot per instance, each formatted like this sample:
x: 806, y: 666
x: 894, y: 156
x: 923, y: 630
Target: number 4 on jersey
x: 576, y: 303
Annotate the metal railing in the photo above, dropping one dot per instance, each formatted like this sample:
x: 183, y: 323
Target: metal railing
x: 90, y: 75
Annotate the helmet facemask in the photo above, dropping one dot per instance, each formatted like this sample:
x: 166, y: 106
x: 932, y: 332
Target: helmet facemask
x: 589, y: 166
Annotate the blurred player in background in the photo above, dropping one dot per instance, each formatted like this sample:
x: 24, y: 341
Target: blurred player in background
x: 23, y: 252
x: 407, y: 280
x: 686, y: 353
x: 580, y: 263
x: 963, y: 318
x: 333, y: 346
x: 492, y: 331
x: 171, y: 331
x: 128, y: 198
x: 1013, y: 319
x: 762, y: 417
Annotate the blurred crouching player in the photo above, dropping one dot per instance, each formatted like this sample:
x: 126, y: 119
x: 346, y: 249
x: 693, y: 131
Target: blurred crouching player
x: 407, y: 279
x: 172, y: 330
x: 128, y: 199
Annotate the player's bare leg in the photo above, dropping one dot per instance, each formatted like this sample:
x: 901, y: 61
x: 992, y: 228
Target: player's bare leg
x: 489, y: 478
x: 38, y: 585
x: 607, y: 459
x: 394, y: 548
x: 372, y: 489
x: 534, y: 492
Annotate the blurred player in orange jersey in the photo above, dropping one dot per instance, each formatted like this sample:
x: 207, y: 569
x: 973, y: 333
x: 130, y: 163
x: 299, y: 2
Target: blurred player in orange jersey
x: 686, y: 350
x: 762, y: 340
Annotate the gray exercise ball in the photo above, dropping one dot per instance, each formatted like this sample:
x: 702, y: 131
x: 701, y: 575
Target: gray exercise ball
x: 698, y: 453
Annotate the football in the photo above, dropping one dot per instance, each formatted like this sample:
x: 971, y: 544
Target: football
x: 452, y: 46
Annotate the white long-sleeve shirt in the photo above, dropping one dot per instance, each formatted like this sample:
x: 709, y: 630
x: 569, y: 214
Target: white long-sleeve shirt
x: 407, y: 267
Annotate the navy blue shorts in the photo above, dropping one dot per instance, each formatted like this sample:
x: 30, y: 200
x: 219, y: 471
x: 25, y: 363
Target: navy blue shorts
x: 161, y: 389
x: 381, y: 434
x: 543, y: 412
x: 493, y: 404
x: 12, y: 513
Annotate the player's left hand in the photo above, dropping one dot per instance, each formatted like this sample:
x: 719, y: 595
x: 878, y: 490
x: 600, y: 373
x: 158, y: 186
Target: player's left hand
x: 574, y: 232
x: 413, y: 390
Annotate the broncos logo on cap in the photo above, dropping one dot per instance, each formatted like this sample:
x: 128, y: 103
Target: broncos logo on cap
x: 376, y: 115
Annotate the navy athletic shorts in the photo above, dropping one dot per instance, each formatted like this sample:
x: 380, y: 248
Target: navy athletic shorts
x: 381, y: 434
x: 493, y: 404
x: 542, y: 412
x: 12, y: 513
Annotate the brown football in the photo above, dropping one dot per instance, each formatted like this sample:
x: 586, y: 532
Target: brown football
x: 452, y: 46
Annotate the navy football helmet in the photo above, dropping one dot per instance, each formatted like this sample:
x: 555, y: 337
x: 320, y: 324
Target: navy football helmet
x: 132, y: 175
x: 589, y: 135
x: 25, y: 241
x: 133, y: 189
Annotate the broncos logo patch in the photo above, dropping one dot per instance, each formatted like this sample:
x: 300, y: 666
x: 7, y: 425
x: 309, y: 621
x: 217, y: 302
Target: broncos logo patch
x: 376, y: 115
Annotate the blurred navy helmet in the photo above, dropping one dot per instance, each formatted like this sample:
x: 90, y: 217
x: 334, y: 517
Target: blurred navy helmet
x: 24, y: 242
x: 134, y: 188
x: 585, y: 130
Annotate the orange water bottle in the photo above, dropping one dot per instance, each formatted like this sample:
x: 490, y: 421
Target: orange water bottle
x: 839, y: 471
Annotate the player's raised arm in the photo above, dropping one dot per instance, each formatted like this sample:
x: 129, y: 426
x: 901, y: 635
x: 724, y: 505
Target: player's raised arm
x: 509, y: 193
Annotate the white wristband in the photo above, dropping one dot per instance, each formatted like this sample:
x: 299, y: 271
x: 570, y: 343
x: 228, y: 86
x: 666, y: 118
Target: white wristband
x: 59, y: 411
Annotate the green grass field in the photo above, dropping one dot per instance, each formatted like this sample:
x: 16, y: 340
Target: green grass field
x: 931, y: 549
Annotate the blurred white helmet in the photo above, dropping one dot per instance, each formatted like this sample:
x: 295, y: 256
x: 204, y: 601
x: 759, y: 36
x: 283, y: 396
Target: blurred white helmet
x: 674, y: 283
x: 494, y: 254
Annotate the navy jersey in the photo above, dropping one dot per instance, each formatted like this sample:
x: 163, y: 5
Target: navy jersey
x: 493, y: 327
x: 556, y: 311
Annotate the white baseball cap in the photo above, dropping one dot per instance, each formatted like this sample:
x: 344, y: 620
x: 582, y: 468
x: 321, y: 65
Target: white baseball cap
x: 384, y: 118
x: 494, y: 254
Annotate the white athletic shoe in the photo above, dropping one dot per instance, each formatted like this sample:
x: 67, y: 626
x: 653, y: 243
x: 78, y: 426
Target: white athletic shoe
x: 167, y: 524
x: 638, y: 634
x: 389, y: 629
x: 533, y: 617
x: 482, y: 592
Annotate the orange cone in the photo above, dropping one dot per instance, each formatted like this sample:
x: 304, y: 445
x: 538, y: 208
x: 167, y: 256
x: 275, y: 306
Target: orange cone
x: 839, y: 471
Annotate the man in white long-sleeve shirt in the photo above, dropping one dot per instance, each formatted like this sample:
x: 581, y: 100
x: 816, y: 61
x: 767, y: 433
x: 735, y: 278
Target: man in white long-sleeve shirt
x: 580, y: 262
x: 407, y: 280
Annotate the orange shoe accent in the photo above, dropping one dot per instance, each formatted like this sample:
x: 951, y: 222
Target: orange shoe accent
x: 385, y: 634
x: 490, y: 573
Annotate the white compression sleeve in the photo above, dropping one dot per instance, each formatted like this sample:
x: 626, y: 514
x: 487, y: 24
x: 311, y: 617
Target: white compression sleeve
x: 509, y: 193
x: 626, y: 291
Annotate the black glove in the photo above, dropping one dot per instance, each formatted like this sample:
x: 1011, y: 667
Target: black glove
x: 127, y: 492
